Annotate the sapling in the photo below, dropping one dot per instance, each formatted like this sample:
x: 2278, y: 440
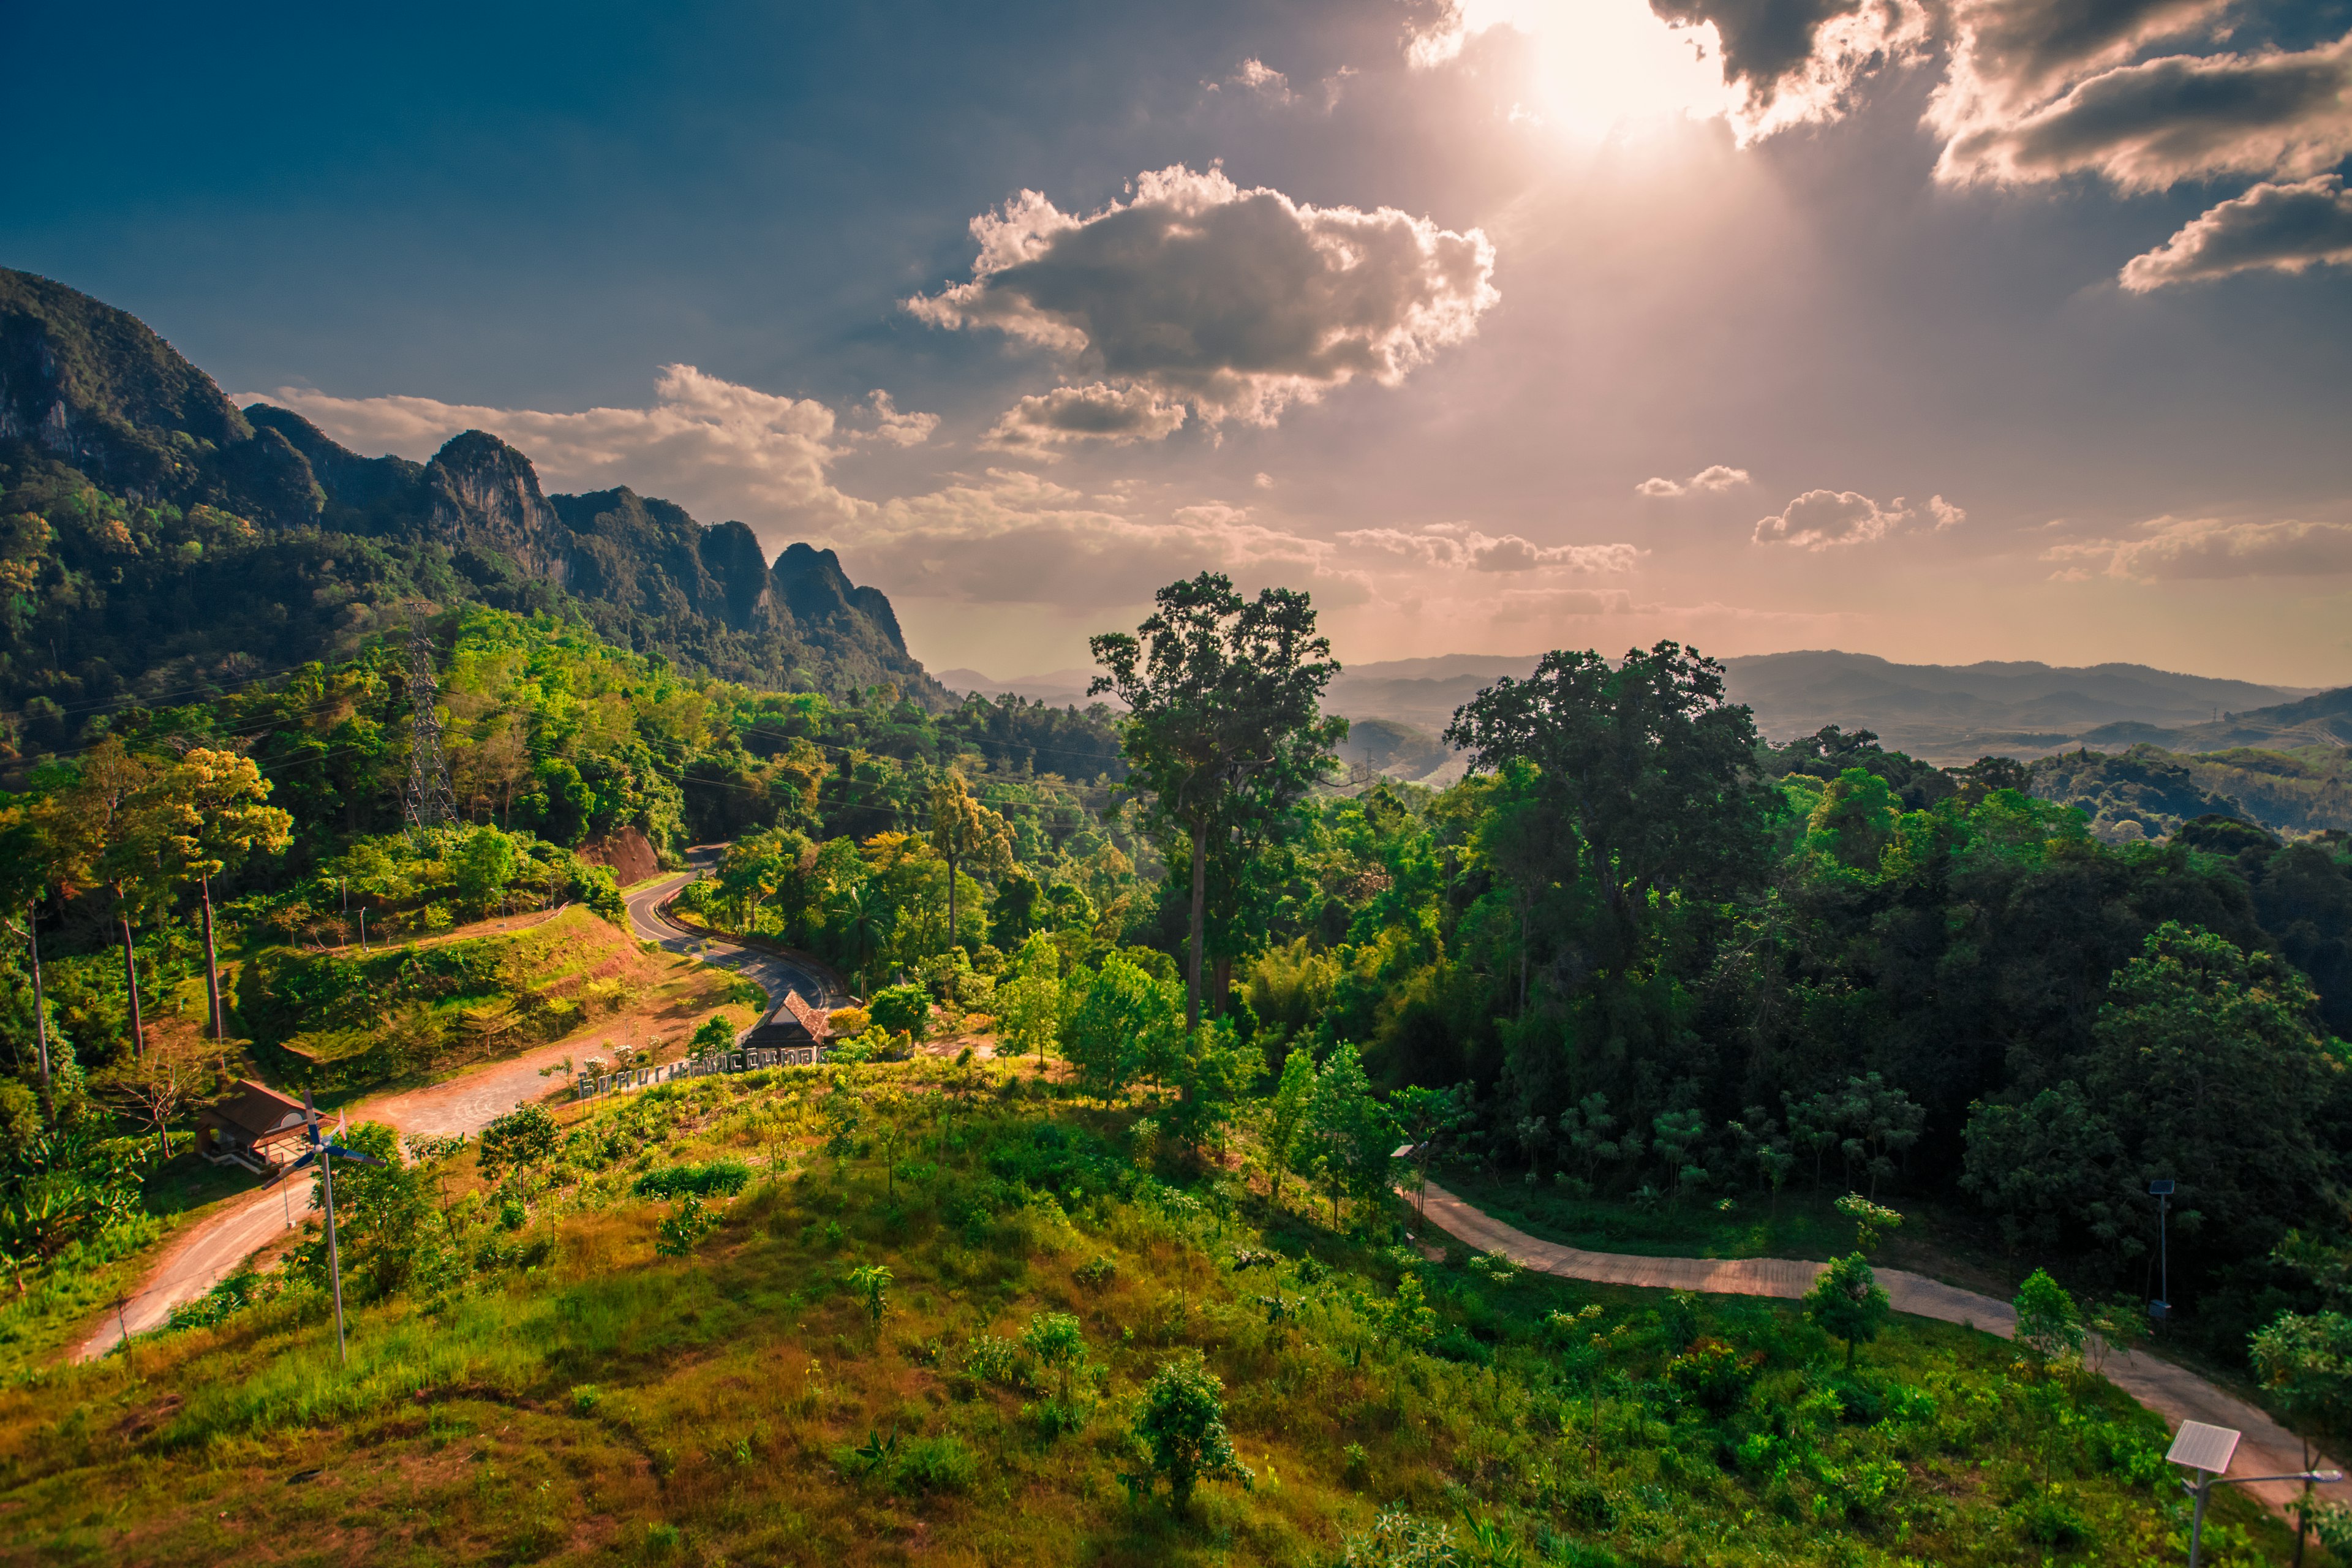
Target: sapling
x: 871, y: 1282
x: 1180, y: 1426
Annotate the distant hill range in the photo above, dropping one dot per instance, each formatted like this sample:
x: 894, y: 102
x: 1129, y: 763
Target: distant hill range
x: 156, y: 542
x: 1940, y: 713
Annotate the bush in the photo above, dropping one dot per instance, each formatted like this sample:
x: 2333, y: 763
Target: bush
x: 719, y: 1178
x: 715, y: 1035
x: 1713, y: 1375
x: 2048, y: 1520
x: 523, y: 1137
x: 685, y: 1225
x: 941, y: 1464
x: 849, y: 1022
x: 901, y: 1009
x: 1095, y: 1273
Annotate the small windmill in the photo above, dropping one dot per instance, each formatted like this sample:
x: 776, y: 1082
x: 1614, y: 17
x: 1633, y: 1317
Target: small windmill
x: 326, y: 1154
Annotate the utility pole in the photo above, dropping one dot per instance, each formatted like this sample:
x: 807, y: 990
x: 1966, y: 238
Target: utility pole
x: 2162, y: 1307
x: 430, y: 801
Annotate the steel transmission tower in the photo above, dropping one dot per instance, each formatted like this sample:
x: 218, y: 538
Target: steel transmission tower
x: 431, y: 802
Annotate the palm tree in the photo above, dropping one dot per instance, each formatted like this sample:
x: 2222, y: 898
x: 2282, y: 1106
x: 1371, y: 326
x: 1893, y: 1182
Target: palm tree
x: 861, y: 929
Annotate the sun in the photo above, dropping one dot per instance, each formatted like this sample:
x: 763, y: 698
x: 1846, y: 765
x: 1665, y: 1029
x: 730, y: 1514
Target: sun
x: 1608, y: 67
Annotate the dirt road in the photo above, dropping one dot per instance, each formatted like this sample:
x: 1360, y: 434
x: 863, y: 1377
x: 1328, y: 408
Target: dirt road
x: 212, y: 1249
x: 2267, y: 1448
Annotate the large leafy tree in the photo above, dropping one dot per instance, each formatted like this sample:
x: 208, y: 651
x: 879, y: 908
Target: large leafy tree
x: 967, y: 836
x: 212, y: 812
x: 1224, y: 731
x: 1647, y: 763
x: 102, y: 831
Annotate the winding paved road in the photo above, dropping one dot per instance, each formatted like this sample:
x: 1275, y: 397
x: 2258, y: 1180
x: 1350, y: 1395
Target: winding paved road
x: 774, y: 972
x: 2267, y: 1448
x: 212, y: 1249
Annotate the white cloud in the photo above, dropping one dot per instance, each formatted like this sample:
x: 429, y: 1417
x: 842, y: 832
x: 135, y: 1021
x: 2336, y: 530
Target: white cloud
x: 892, y: 428
x: 2172, y: 549
x: 1235, y: 301
x: 2282, y: 228
x: 1254, y: 76
x: 2009, y: 55
x: 1711, y: 481
x: 1459, y: 546
x: 1073, y: 416
x: 2149, y: 126
x: 1821, y: 520
x: 1264, y: 481
x: 713, y: 445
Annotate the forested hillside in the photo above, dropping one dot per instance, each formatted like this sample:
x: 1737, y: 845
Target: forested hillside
x: 157, y: 544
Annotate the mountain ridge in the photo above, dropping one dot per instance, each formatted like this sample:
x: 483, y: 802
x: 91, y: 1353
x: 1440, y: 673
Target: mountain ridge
x: 155, y: 538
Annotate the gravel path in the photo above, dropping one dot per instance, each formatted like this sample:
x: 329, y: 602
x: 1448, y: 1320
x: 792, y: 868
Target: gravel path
x: 212, y: 1249
x: 2177, y: 1394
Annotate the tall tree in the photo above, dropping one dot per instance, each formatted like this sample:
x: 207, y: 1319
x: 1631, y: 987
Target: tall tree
x: 210, y: 814
x: 1223, y: 727
x: 102, y: 830
x: 966, y: 835
x: 1648, y: 764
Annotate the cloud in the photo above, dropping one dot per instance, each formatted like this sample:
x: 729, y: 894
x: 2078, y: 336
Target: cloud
x: 1014, y: 538
x: 1237, y: 302
x: 713, y: 445
x: 1073, y: 416
x: 1254, y: 76
x: 2009, y: 55
x: 891, y: 428
x: 1799, y: 61
x: 2183, y: 549
x: 2149, y: 126
x: 1711, y: 481
x: 1458, y: 546
x: 2284, y: 229
x: 1820, y: 520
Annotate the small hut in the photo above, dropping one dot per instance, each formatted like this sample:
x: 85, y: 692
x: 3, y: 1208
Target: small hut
x: 254, y: 1126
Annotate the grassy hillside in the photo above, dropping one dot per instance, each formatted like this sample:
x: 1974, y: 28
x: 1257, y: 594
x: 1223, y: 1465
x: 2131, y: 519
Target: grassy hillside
x: 532, y: 1380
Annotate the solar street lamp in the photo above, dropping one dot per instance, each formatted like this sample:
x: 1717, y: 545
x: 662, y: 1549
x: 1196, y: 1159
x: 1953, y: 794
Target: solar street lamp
x: 2162, y: 1307
x: 325, y: 1153
x: 2208, y: 1451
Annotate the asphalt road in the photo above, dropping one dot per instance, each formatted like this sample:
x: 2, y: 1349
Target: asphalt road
x: 211, y: 1250
x: 2267, y: 1448
x: 772, y: 971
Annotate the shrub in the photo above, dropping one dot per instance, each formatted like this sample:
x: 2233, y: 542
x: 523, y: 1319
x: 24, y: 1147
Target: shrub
x: 1713, y: 1375
x: 1094, y: 1272
x: 1181, y: 1428
x: 2048, y: 1520
x: 941, y: 1464
x: 685, y: 1225
x: 715, y: 1035
x: 584, y: 1397
x: 719, y: 1178
x: 901, y: 1009
x: 849, y: 1022
x: 524, y: 1136
x: 1398, y: 1540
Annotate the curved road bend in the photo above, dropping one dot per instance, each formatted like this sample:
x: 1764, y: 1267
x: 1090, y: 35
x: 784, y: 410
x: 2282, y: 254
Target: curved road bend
x: 211, y: 1250
x: 2177, y: 1395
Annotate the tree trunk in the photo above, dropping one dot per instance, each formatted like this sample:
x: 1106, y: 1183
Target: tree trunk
x: 1200, y: 910
x: 211, y: 965
x: 40, y: 1022
x: 130, y: 980
x: 1222, y: 989
x: 951, y: 902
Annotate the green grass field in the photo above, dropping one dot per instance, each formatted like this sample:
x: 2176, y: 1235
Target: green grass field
x: 547, y: 1386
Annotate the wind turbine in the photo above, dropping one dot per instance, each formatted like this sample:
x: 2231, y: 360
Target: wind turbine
x: 326, y: 1154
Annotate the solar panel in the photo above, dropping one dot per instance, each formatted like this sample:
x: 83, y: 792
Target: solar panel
x: 2203, y: 1448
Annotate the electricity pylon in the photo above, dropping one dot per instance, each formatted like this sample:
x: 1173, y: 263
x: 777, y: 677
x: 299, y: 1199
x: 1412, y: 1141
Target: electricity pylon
x: 431, y: 803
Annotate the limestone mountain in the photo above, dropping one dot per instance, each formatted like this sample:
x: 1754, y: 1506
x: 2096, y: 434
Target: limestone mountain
x: 157, y: 543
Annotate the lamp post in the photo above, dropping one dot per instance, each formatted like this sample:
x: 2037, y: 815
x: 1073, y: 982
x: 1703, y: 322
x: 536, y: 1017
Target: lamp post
x: 2207, y: 1450
x: 2162, y: 1307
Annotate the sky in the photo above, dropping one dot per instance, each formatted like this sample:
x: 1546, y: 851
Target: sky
x: 1948, y: 331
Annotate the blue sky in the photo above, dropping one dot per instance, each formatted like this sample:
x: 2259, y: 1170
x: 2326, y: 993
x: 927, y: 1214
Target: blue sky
x: 1950, y: 331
